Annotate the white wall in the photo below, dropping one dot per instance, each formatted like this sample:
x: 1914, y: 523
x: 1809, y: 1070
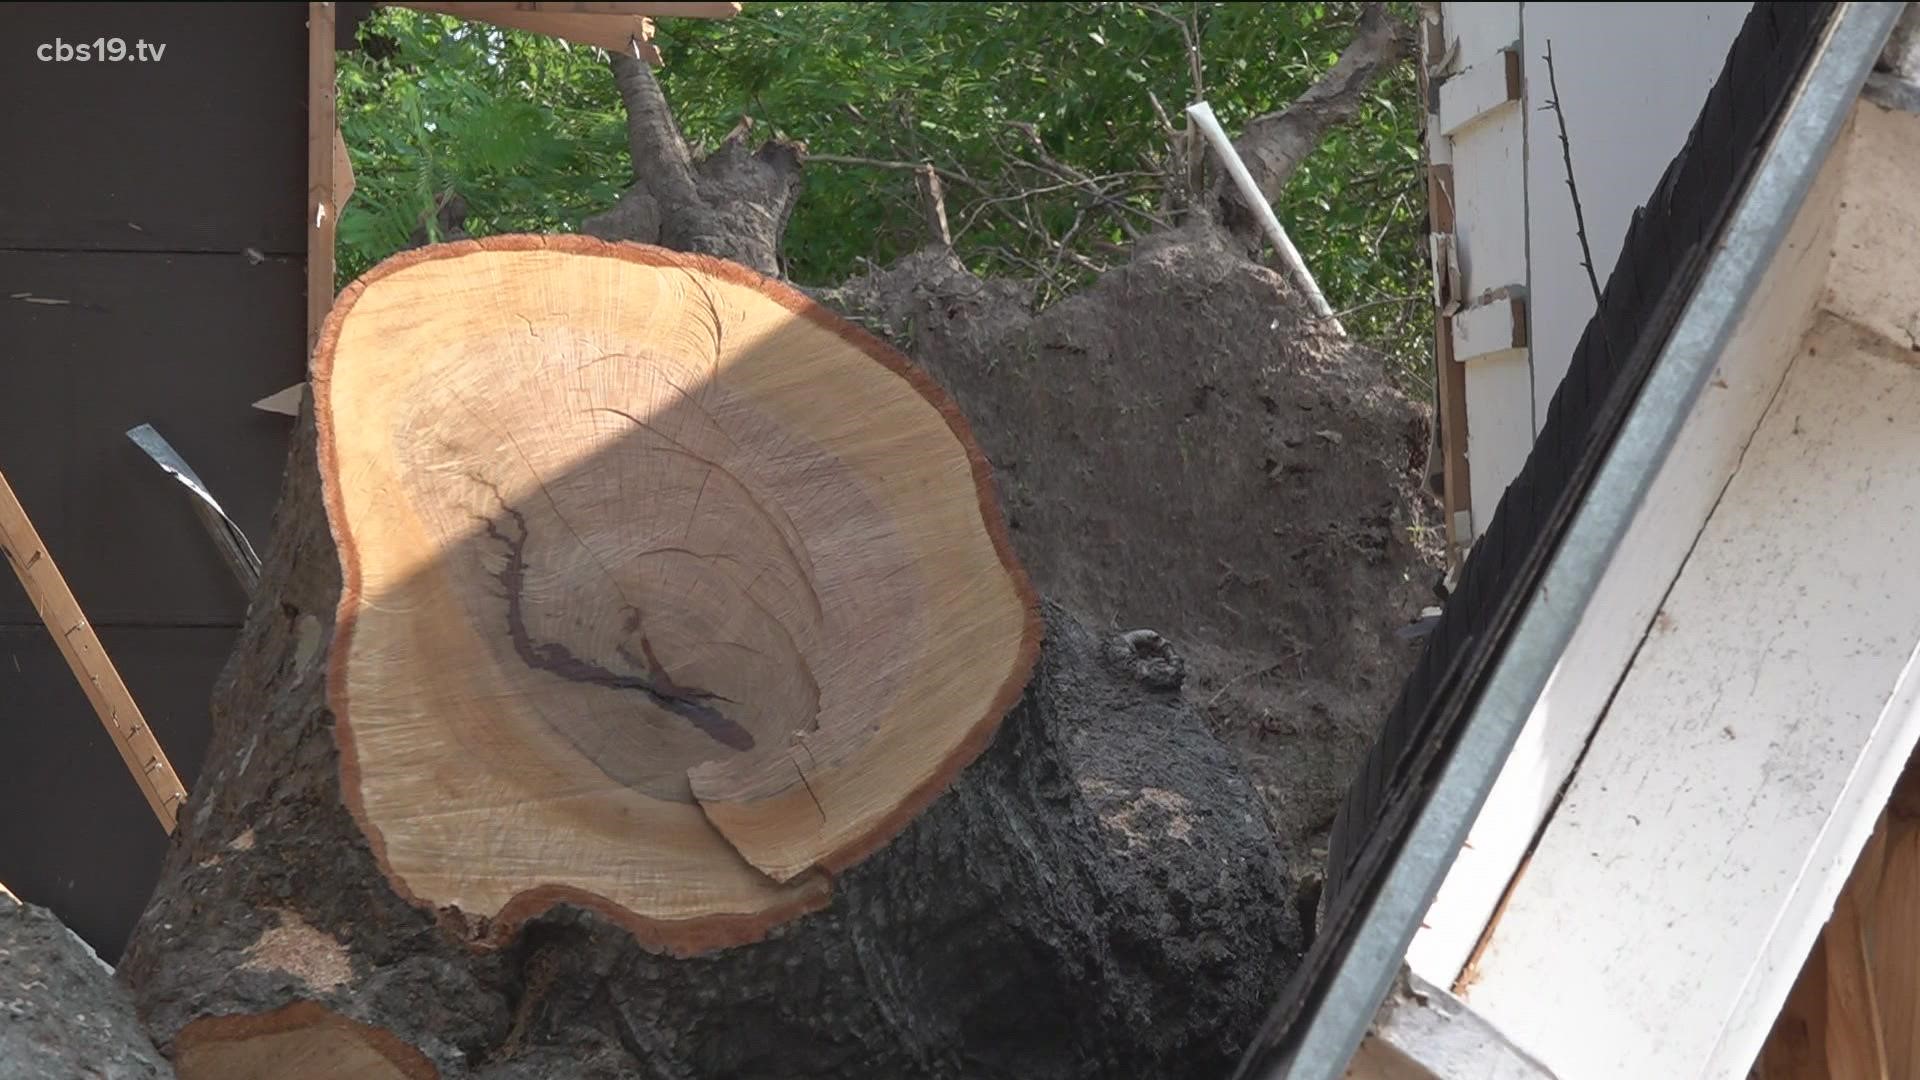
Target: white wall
x: 1632, y: 79
x: 1486, y: 142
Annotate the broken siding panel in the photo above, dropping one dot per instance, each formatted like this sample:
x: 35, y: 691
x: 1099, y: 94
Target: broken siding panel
x: 1694, y: 855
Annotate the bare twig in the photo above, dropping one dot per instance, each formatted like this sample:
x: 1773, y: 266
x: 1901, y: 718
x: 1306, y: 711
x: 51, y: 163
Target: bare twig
x: 1092, y: 185
x: 906, y: 166
x: 1573, y: 189
x: 1245, y: 675
x: 1382, y: 302
x: 1189, y: 25
x: 1176, y: 185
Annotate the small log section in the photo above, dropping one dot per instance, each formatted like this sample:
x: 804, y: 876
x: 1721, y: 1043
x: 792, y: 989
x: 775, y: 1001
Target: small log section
x: 625, y: 618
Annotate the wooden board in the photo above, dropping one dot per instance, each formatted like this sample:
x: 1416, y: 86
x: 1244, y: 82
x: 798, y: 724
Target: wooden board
x: 324, y: 148
x: 197, y: 151
x: 81, y: 840
x: 627, y: 35
x: 185, y: 342
x: 690, y: 10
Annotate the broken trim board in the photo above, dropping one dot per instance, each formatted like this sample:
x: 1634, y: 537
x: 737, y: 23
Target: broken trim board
x: 286, y: 402
x: 228, y: 539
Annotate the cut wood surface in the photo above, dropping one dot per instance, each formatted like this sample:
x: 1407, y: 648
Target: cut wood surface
x: 1090, y: 900
x: 303, y: 1040
x: 667, y: 592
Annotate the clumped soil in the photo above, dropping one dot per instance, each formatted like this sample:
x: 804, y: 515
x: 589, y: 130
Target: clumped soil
x: 1180, y: 447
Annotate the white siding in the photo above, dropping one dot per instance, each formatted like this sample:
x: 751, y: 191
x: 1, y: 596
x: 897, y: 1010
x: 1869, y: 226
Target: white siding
x: 1488, y: 148
x: 1632, y: 79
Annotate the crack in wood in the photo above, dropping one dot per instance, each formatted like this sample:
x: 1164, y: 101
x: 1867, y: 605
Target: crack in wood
x: 689, y: 703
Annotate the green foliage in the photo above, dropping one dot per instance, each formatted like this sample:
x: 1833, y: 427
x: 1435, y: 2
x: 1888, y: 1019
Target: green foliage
x: 528, y: 130
x: 531, y: 133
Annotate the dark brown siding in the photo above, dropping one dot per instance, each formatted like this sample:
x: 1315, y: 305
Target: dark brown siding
x: 152, y: 249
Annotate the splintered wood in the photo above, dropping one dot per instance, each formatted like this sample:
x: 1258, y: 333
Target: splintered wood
x: 667, y: 593
x: 25, y: 552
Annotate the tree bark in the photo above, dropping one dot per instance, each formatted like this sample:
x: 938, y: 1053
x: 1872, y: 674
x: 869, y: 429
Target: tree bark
x: 1273, y: 145
x: 61, y: 1013
x: 734, y: 203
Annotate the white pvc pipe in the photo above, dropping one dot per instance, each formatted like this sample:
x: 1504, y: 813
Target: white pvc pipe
x: 1202, y: 114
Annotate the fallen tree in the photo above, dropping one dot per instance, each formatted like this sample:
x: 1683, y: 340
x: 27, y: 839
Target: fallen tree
x: 643, y: 683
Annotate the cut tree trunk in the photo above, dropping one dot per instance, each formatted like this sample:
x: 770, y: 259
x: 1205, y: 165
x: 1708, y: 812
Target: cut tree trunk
x: 672, y: 603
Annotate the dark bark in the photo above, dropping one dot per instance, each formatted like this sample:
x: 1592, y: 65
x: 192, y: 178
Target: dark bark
x: 1274, y: 145
x: 733, y: 203
x: 61, y: 1014
x: 1095, y: 897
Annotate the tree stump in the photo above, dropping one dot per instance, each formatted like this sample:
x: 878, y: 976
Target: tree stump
x: 671, y: 605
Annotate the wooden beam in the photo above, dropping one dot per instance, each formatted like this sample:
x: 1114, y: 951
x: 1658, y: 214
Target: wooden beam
x: 323, y: 205
x: 73, y: 634
x: 1449, y: 378
x: 630, y: 35
x: 658, y: 10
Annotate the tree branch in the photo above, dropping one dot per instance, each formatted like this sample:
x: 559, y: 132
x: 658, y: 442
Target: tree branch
x: 661, y: 161
x: 1275, y: 144
x: 1573, y: 189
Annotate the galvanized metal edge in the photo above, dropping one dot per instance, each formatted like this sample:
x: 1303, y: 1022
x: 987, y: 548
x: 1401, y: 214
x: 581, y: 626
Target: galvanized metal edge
x: 1332, y: 1031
